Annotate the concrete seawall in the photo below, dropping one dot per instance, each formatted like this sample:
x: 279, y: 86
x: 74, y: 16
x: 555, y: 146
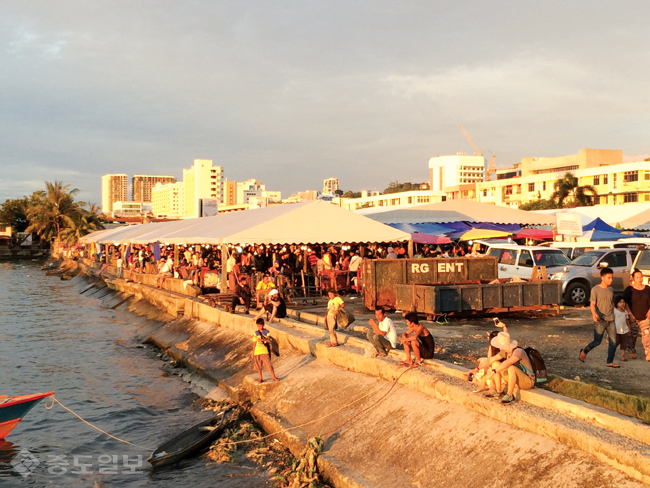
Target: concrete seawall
x: 383, y: 425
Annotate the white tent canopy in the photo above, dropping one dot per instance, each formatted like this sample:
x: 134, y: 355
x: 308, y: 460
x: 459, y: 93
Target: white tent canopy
x: 99, y: 234
x: 301, y: 223
x: 459, y: 210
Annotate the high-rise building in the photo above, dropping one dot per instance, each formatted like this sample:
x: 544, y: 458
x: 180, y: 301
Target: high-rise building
x: 114, y: 189
x: 202, y: 180
x: 142, y: 185
x: 230, y: 192
x: 330, y: 185
x: 168, y: 200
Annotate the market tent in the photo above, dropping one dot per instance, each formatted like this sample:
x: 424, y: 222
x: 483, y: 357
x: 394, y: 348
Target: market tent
x: 431, y: 229
x: 459, y: 211
x: 599, y: 235
x: 598, y: 224
x: 640, y: 221
x: 300, y: 223
x: 99, y: 234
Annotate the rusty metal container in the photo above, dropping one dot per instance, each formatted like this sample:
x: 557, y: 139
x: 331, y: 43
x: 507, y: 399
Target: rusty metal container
x: 380, y: 276
x: 437, y: 299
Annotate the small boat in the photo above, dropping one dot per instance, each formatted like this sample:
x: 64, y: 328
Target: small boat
x: 191, y: 441
x: 13, y: 409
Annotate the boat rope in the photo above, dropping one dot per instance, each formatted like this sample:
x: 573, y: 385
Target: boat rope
x: 56, y: 400
x: 372, y: 392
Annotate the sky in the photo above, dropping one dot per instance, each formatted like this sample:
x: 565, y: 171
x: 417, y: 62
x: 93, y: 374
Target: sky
x: 294, y: 92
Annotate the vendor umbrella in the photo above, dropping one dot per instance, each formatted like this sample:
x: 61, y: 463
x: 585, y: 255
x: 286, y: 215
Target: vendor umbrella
x: 420, y: 238
x: 474, y: 234
x: 536, y: 234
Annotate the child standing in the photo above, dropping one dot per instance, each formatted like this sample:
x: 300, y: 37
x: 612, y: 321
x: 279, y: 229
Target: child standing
x: 262, y: 351
x: 622, y: 320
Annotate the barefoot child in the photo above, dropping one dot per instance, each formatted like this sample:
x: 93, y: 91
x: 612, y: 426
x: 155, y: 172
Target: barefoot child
x: 262, y: 351
x: 622, y: 320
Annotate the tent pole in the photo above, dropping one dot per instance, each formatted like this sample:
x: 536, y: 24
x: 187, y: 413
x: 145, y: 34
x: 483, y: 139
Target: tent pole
x: 410, y: 248
x: 224, y: 259
x: 175, y: 256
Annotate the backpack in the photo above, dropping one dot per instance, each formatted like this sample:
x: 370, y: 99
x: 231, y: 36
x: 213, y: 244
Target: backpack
x: 538, y: 365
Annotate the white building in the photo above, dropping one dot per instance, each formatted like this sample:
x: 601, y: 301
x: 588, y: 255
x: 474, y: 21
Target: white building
x: 168, y: 201
x: 451, y: 171
x: 202, y: 180
x: 247, y: 189
x: 114, y: 189
x: 127, y: 209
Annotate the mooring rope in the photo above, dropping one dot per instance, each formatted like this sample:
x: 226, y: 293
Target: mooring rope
x: 56, y: 400
x: 372, y: 392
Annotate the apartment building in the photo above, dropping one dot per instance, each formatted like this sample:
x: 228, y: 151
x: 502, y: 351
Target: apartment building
x: 143, y: 184
x: 330, y: 185
x: 168, y: 200
x: 114, y: 189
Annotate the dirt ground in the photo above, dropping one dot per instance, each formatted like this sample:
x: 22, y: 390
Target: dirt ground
x: 558, y: 337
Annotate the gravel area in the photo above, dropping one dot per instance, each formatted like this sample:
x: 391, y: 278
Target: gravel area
x: 558, y: 337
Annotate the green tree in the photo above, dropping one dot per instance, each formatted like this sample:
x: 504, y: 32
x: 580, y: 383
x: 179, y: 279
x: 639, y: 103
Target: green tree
x: 13, y: 212
x: 568, y: 186
x: 538, y: 205
x: 396, y: 187
x: 352, y: 194
x: 54, y: 211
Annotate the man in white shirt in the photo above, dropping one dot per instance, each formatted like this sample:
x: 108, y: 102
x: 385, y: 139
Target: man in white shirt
x: 383, y: 335
x: 355, y: 261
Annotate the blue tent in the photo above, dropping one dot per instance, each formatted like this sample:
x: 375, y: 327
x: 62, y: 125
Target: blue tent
x: 430, y: 229
x: 600, y: 225
x: 601, y: 235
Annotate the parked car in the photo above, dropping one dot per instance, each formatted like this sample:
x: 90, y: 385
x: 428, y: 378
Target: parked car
x: 579, y: 277
x: 575, y: 249
x: 519, y: 260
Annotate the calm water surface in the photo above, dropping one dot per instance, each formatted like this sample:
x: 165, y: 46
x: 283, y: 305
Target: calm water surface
x: 53, y: 338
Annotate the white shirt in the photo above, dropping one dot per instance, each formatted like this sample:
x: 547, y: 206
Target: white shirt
x: 354, y: 263
x: 167, y: 267
x: 387, y: 326
x: 230, y: 264
x: 120, y: 263
x: 620, y: 319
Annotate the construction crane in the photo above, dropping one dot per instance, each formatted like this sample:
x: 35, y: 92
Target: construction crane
x: 476, y: 151
x: 491, y: 168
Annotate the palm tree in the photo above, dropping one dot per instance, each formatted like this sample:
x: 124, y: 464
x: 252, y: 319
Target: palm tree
x: 568, y: 186
x: 54, y: 211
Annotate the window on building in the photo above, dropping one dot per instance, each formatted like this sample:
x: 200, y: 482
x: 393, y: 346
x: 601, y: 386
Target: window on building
x: 508, y: 190
x: 630, y: 176
x: 646, y: 197
x: 614, y: 181
x: 531, y: 187
x: 603, y: 200
x: 485, y: 193
x: 596, y: 180
x: 647, y: 175
x: 518, y: 189
x: 543, y: 186
x: 605, y: 178
x: 631, y: 197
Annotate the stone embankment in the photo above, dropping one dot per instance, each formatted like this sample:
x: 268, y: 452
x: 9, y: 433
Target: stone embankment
x: 384, y: 425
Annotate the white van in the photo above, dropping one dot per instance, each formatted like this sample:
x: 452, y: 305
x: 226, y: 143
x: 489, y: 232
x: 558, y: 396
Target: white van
x: 514, y: 260
x: 575, y: 249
